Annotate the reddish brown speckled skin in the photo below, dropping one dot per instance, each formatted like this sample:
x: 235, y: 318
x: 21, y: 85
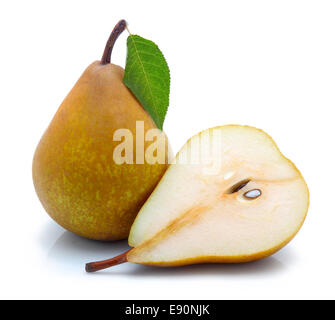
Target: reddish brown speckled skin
x: 74, y: 173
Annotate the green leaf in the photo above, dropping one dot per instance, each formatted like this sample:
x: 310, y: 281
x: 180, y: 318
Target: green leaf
x: 147, y: 75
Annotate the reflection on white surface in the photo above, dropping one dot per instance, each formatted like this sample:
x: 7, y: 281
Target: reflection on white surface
x: 69, y: 253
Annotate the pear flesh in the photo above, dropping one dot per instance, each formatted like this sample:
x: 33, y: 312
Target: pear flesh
x: 251, y: 207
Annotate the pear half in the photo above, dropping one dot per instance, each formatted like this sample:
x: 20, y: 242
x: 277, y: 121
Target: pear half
x: 230, y: 197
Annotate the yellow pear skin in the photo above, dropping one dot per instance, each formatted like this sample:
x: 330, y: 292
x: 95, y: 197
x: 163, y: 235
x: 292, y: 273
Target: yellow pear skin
x: 74, y: 172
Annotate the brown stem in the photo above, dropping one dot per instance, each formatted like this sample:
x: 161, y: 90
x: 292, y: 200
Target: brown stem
x: 118, y: 29
x: 99, y: 265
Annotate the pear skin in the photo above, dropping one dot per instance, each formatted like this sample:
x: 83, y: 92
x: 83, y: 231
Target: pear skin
x: 74, y: 172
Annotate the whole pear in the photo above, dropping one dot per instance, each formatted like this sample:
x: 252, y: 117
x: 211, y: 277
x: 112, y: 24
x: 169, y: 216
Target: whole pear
x: 75, y: 174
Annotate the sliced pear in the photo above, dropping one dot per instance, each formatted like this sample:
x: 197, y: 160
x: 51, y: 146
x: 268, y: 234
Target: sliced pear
x: 231, y: 196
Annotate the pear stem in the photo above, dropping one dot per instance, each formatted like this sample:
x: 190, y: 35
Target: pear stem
x: 118, y: 29
x: 99, y: 265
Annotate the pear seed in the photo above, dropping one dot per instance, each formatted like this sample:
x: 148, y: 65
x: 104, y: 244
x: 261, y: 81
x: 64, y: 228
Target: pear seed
x: 252, y: 194
x: 238, y: 186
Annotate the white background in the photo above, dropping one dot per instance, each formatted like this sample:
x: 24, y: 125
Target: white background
x: 270, y: 64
